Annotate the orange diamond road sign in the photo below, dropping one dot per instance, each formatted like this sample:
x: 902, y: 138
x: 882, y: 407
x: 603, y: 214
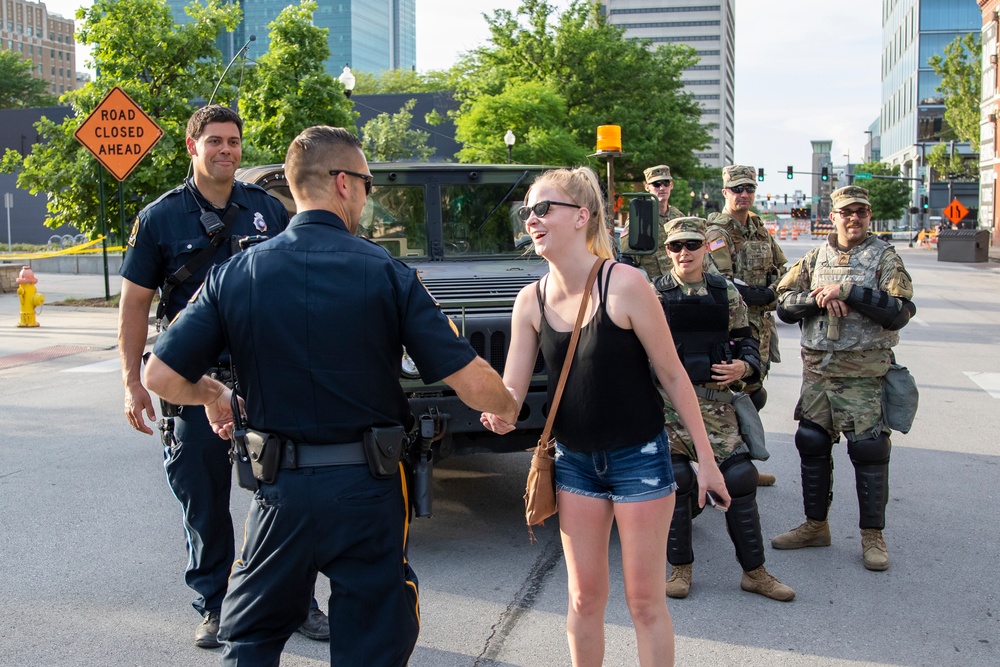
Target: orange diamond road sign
x: 955, y: 211
x: 119, y: 133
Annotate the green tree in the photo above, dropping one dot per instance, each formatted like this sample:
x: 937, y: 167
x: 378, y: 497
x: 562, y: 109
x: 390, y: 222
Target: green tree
x: 289, y: 89
x: 948, y: 164
x: 394, y: 81
x: 960, y: 74
x: 161, y: 65
x: 18, y: 88
x: 388, y: 138
x: 889, y: 197
x: 600, y: 76
x: 534, y: 112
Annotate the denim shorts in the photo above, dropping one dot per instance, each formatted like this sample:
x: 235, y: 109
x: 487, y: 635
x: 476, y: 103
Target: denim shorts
x: 626, y: 475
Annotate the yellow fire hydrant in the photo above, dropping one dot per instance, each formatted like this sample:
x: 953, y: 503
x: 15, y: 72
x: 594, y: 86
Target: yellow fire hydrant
x: 29, y: 297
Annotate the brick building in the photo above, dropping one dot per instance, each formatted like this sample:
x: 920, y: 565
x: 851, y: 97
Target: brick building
x: 44, y: 39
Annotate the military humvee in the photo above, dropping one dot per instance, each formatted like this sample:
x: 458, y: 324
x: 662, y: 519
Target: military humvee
x: 457, y: 225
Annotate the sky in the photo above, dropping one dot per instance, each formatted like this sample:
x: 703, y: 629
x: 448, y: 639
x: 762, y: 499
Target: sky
x: 804, y: 70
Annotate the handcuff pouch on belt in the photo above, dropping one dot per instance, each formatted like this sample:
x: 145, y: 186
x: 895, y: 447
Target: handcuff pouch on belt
x: 264, y: 452
x: 383, y: 449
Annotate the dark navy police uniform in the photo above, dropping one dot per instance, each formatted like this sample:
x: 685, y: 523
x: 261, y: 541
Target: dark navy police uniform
x: 315, y: 321
x: 166, y: 235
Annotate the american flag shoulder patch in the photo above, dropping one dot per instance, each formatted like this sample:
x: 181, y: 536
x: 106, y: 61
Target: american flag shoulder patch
x: 716, y: 244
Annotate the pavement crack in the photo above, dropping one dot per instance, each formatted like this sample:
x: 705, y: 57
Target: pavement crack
x: 523, y: 601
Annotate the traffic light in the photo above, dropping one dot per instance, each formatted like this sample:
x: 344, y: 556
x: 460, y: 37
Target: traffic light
x: 760, y: 174
x: 824, y: 174
x: 791, y: 172
x: 924, y: 204
x: 786, y: 199
x: 769, y: 197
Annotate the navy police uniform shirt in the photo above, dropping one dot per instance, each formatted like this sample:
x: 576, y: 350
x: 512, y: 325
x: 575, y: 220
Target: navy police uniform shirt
x: 168, y: 234
x: 316, y: 320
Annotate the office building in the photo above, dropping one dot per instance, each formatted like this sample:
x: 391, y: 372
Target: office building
x: 369, y: 35
x: 44, y: 39
x: 710, y: 29
x: 989, y: 162
x: 912, y: 114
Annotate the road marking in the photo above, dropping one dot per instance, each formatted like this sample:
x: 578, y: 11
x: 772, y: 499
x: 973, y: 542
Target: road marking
x: 989, y: 382
x: 107, y: 366
x: 919, y: 321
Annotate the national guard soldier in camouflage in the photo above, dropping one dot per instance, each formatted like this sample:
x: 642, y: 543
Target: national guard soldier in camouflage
x: 744, y: 251
x: 660, y: 183
x: 850, y: 296
x: 709, y: 324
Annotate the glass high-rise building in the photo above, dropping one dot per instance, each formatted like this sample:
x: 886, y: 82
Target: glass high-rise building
x: 710, y: 29
x: 369, y: 35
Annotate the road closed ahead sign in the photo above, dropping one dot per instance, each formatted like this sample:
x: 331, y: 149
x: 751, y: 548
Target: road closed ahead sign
x: 119, y: 133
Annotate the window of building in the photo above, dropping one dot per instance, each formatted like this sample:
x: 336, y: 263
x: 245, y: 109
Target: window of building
x: 705, y: 67
x: 52, y: 53
x: 53, y: 88
x: 61, y: 72
x: 53, y: 71
x: 52, y: 36
x: 950, y: 15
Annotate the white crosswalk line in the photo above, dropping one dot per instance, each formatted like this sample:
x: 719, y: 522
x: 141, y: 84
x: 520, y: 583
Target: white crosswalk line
x: 989, y: 382
x: 107, y: 366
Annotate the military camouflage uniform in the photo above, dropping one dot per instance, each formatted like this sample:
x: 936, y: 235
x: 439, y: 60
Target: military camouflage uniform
x: 842, y: 379
x: 749, y: 253
x: 720, y: 418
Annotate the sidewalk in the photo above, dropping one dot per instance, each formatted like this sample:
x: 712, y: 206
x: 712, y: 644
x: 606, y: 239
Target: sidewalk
x: 62, y: 329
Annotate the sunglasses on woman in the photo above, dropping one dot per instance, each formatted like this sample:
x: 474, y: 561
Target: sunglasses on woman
x: 540, y: 209
x: 691, y: 244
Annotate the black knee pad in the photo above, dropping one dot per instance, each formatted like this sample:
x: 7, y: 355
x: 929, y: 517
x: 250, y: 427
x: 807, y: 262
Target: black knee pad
x: 683, y: 474
x: 870, y: 451
x: 740, y: 475
x: 812, y: 440
x: 759, y: 398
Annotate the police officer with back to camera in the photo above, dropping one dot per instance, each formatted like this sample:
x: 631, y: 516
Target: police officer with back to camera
x: 325, y: 413
x: 659, y: 183
x: 744, y: 251
x: 850, y: 296
x: 708, y: 320
x: 174, y: 242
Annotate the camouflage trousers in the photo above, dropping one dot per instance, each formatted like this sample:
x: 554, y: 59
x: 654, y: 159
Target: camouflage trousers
x: 720, y: 423
x: 766, y: 335
x: 841, y: 404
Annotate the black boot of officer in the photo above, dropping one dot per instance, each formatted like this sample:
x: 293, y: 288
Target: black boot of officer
x: 815, y: 453
x: 680, y: 553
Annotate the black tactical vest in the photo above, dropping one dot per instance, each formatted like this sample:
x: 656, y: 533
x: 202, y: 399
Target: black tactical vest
x: 698, y: 324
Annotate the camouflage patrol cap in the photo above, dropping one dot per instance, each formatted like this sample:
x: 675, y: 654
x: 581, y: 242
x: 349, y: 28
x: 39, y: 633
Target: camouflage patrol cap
x: 660, y: 172
x: 851, y: 194
x: 683, y: 229
x: 738, y: 174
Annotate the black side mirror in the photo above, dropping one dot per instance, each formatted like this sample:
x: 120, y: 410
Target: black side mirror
x: 643, y: 220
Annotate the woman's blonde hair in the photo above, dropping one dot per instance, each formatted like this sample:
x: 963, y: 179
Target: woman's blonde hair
x: 584, y: 189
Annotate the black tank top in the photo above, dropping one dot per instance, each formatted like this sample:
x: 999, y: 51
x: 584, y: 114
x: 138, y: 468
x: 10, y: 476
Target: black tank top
x: 610, y: 400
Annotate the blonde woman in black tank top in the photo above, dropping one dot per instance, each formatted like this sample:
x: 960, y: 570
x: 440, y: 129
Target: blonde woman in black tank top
x: 565, y: 219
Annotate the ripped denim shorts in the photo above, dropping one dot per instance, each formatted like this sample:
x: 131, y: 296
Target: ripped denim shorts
x: 626, y: 475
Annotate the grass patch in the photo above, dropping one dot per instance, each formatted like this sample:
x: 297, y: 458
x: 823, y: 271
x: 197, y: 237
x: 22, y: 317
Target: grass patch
x: 96, y: 302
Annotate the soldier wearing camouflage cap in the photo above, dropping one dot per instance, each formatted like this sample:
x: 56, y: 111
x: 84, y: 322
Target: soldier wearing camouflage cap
x: 659, y: 183
x: 744, y: 251
x: 709, y: 320
x: 850, y: 297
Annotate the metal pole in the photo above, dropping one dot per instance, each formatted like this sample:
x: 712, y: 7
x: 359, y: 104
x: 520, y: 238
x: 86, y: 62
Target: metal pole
x: 611, y: 192
x: 8, y: 202
x: 104, y: 229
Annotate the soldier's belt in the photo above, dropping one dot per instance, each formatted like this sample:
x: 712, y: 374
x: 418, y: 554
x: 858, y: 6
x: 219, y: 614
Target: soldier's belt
x: 316, y: 456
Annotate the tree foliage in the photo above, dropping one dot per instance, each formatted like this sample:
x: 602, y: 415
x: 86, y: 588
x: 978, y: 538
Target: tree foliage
x: 388, y: 138
x: 586, y: 64
x: 948, y: 164
x: 161, y: 66
x: 18, y: 88
x: 889, y: 198
x: 289, y: 89
x: 960, y: 74
x: 394, y: 81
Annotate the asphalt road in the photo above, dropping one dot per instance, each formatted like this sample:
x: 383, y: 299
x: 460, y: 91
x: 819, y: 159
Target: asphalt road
x: 92, y: 551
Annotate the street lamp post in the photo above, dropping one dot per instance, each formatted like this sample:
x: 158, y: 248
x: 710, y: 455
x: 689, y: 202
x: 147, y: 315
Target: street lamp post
x: 348, y: 79
x: 510, y: 139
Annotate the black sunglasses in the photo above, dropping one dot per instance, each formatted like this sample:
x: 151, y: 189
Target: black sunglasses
x: 540, y: 209
x: 740, y: 189
x: 661, y: 184
x: 367, y: 178
x: 690, y: 244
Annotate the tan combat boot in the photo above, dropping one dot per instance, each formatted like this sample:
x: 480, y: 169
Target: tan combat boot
x: 875, y: 553
x: 762, y: 582
x: 679, y: 583
x: 766, y: 479
x: 812, y: 533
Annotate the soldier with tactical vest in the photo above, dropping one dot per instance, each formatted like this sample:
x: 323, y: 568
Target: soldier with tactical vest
x: 744, y: 251
x: 660, y: 183
x: 850, y: 296
x: 709, y: 324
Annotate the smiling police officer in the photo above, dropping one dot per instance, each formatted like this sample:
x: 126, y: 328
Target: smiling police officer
x: 173, y: 244
x: 325, y: 408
